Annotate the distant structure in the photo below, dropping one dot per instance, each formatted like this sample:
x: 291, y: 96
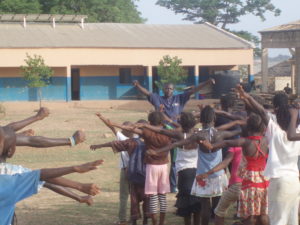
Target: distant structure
x: 93, y: 61
x: 283, y: 36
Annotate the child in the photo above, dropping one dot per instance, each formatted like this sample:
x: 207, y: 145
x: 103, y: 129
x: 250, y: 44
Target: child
x: 253, y: 205
x: 157, y: 181
x: 124, y: 159
x: 217, y: 182
x: 136, y: 173
x: 26, y: 184
x: 282, y: 162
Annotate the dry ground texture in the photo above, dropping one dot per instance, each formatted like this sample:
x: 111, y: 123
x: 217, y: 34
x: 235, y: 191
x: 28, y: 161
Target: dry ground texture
x: 48, y: 208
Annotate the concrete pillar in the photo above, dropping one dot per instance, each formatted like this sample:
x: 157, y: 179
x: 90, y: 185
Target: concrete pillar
x: 293, y: 81
x: 264, y: 69
x: 149, y: 78
x: 68, y: 84
x: 196, y: 75
x: 250, y: 73
x: 297, y: 71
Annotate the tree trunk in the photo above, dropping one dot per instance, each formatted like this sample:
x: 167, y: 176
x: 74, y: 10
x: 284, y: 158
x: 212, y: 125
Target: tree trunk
x: 40, y: 96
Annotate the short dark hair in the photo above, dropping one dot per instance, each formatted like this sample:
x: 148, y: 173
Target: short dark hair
x: 187, y: 121
x: 207, y: 115
x: 255, y: 123
x: 155, y: 118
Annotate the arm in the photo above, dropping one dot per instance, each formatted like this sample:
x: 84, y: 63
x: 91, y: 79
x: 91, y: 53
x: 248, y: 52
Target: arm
x: 291, y: 132
x: 140, y: 88
x: 58, y: 172
x: 128, y: 128
x: 231, y: 124
x: 170, y: 133
x: 228, y: 115
x: 68, y: 193
x: 254, y: 105
x: 41, y: 114
x: 200, y: 86
x: 222, y: 165
x: 223, y: 144
x: 106, y: 122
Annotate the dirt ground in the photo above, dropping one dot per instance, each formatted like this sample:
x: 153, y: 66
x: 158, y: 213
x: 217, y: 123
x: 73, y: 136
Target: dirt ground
x: 48, y: 208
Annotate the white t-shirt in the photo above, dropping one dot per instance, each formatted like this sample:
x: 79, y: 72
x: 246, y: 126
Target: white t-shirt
x: 283, y: 154
x: 124, y: 157
x: 186, y: 159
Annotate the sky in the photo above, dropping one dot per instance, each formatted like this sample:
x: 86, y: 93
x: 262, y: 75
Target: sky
x: 289, y: 12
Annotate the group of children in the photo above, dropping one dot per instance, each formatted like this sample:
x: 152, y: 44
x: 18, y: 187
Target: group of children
x: 260, y: 148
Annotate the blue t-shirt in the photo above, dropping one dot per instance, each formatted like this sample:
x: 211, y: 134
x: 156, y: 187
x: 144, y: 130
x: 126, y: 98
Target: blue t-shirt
x: 14, y: 188
x: 173, y: 105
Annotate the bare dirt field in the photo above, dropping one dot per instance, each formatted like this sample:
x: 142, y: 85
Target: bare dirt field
x: 48, y: 208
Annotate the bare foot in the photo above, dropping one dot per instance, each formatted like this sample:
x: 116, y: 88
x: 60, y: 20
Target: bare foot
x: 87, y: 199
x: 79, y: 136
x: 42, y: 113
x: 90, y: 189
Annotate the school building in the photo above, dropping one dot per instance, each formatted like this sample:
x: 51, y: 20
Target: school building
x: 94, y: 61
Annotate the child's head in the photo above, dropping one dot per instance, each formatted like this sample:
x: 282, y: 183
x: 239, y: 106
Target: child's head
x: 187, y: 121
x: 207, y: 115
x: 255, y: 124
x: 281, y: 108
x: 142, y: 121
x: 226, y: 101
x: 9, y: 146
x: 126, y: 132
x: 155, y: 118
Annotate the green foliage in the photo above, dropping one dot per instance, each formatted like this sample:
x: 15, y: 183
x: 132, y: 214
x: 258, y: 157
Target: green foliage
x: 36, y: 72
x: 170, y: 71
x: 249, y: 37
x: 124, y: 11
x: 219, y: 12
x: 20, y: 6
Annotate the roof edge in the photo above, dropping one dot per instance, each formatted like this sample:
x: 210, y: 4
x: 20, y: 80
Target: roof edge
x: 267, y: 30
x: 250, y: 44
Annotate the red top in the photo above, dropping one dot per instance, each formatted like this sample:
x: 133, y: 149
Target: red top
x: 256, y: 163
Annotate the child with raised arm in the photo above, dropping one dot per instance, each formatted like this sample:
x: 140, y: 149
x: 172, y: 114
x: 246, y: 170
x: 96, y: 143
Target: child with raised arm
x: 136, y: 173
x: 157, y: 180
x: 26, y: 184
x: 123, y: 164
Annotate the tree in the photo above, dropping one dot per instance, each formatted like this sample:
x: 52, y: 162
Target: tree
x: 170, y: 71
x: 117, y: 11
x: 219, y: 12
x: 36, y: 73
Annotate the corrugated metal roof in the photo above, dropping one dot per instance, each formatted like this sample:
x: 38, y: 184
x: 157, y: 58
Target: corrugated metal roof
x: 292, y: 26
x: 118, y: 35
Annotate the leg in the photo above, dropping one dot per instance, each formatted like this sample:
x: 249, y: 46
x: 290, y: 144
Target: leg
x: 205, y: 211
x: 251, y: 220
x: 123, y: 196
x: 197, y: 218
x: 215, y: 201
x: 163, y: 208
x: 44, y: 142
x: 263, y: 220
x: 153, y: 204
x: 172, y: 176
x: 135, y: 213
x: 187, y: 220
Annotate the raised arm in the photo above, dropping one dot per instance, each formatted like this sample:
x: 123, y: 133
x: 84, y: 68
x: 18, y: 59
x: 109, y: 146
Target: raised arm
x: 58, y: 172
x: 133, y: 129
x: 141, y: 88
x: 231, y: 124
x: 291, y: 132
x: 176, y: 134
x: 229, y: 115
x: 223, y: 144
x: 200, y: 86
x: 41, y: 114
x: 222, y: 165
x: 106, y: 122
x: 252, y: 104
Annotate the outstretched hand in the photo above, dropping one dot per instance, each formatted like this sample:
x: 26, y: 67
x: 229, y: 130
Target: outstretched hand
x: 135, y: 83
x: 206, y: 144
x: 42, y: 113
x: 86, y: 167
